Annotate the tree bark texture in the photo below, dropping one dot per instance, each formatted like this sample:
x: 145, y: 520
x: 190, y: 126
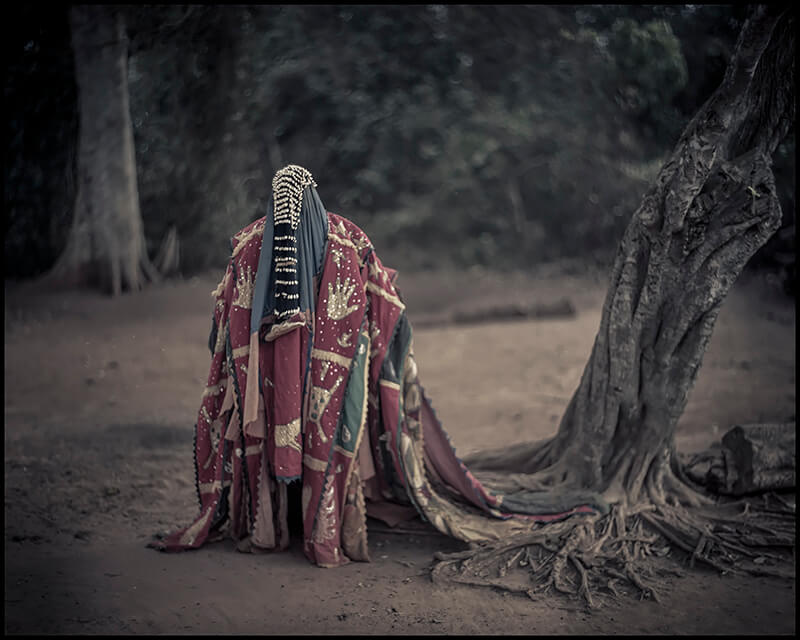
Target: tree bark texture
x: 106, y: 245
x: 711, y: 207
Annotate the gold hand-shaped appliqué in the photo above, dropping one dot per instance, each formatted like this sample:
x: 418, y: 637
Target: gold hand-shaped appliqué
x: 244, y: 289
x: 339, y: 298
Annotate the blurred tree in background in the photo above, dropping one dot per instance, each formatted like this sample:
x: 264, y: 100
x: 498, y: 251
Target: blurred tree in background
x: 106, y: 245
x: 456, y: 135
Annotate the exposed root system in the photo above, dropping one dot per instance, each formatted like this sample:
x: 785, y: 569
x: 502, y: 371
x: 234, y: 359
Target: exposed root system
x: 594, y: 558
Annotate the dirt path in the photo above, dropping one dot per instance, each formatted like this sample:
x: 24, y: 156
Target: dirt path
x: 100, y: 397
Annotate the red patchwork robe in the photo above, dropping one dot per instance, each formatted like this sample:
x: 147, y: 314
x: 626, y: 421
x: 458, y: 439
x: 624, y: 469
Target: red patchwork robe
x: 332, y: 400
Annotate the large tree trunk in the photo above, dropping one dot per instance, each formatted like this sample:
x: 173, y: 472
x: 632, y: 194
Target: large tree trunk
x: 106, y: 245
x: 711, y: 207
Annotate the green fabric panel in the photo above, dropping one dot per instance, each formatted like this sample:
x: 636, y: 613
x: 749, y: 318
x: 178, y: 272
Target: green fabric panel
x: 353, y: 405
x: 393, y: 362
x: 393, y: 370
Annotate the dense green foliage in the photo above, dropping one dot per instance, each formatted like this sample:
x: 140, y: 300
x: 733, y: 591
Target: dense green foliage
x: 454, y: 134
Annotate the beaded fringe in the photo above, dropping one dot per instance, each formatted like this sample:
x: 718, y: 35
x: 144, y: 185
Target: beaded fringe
x: 287, y: 188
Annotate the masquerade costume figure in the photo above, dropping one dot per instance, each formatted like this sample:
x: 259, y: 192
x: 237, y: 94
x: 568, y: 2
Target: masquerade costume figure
x: 313, y: 382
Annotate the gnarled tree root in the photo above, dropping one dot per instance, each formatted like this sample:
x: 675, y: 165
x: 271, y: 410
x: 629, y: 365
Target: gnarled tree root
x: 593, y: 558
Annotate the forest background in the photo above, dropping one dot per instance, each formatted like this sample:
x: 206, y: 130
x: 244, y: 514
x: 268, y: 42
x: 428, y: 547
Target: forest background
x: 495, y: 137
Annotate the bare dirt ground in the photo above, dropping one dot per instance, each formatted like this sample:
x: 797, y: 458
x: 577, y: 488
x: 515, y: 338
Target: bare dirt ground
x: 100, y: 399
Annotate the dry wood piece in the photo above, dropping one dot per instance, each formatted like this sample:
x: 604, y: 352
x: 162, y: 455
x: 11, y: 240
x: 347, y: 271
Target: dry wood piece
x: 562, y: 308
x: 751, y: 458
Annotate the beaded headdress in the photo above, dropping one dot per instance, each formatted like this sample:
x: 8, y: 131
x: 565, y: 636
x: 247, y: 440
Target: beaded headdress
x: 287, y: 193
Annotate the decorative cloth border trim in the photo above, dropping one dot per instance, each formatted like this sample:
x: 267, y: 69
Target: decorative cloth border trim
x: 330, y: 356
x: 371, y: 286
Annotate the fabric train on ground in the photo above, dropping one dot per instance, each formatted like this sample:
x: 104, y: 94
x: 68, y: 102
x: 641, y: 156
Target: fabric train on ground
x: 325, y: 393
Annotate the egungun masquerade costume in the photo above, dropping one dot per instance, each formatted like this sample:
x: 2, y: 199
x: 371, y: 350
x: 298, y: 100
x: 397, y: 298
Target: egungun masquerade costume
x: 313, y: 380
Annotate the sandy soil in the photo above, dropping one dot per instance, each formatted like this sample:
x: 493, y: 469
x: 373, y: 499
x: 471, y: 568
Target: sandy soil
x: 100, y: 397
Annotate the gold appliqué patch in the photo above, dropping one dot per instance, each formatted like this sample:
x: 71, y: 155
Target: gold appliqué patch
x: 339, y: 298
x: 244, y: 289
x: 320, y: 399
x: 286, y: 435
